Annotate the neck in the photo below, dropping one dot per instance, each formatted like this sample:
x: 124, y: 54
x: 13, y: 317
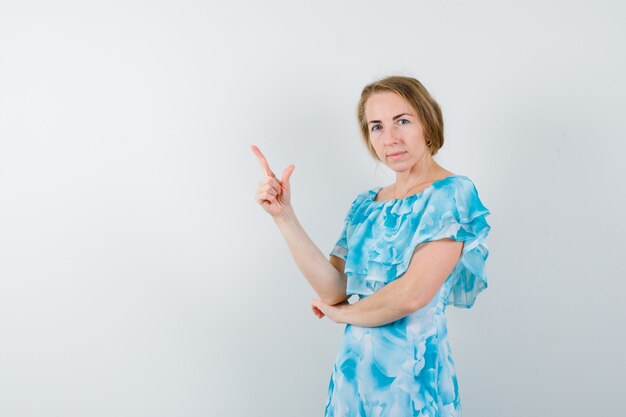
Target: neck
x: 420, y: 173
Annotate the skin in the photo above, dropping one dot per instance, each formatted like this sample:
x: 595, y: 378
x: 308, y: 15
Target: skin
x: 431, y: 263
x: 274, y: 196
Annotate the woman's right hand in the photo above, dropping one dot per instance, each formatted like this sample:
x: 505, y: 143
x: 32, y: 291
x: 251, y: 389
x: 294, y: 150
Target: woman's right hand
x: 319, y: 313
x: 273, y: 195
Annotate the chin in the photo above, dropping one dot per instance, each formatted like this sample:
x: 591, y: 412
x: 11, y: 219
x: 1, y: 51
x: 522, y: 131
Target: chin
x: 399, y: 167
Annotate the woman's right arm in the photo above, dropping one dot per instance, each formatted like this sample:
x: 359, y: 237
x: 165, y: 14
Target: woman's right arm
x: 274, y: 195
x: 325, y: 276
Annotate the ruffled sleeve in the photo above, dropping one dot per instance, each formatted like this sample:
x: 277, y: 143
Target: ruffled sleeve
x: 340, y: 249
x: 456, y: 212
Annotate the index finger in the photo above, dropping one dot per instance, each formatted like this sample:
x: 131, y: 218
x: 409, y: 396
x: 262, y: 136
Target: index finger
x: 262, y: 161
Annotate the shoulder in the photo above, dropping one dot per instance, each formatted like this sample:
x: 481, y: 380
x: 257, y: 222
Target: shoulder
x: 459, y: 180
x: 458, y: 189
x: 383, y: 193
x: 358, y: 200
x: 460, y: 195
x: 453, y: 184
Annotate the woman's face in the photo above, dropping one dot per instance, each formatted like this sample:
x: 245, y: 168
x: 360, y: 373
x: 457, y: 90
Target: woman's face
x: 395, y: 132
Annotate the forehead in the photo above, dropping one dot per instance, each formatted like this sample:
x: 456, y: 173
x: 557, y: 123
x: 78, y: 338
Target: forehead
x: 386, y: 105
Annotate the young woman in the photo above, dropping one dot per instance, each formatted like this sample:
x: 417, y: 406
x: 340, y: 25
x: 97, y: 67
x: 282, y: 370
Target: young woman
x: 407, y: 251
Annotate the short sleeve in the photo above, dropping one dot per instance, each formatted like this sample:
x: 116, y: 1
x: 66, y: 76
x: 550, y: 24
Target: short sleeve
x: 340, y: 249
x: 457, y: 212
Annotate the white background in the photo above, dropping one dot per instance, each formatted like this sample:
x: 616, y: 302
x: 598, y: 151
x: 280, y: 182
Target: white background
x: 138, y: 277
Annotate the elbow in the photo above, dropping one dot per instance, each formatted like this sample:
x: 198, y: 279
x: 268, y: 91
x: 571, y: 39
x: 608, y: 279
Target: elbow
x: 415, y: 297
x: 334, y: 299
x: 412, y: 307
x: 414, y: 303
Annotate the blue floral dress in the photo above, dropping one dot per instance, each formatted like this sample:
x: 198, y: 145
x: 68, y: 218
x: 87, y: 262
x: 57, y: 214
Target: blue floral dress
x: 405, y: 368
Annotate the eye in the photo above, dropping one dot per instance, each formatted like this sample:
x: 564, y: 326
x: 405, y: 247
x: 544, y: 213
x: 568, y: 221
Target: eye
x: 374, y: 128
x: 404, y: 120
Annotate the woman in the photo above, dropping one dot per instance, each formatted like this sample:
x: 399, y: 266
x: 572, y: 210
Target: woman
x: 407, y: 251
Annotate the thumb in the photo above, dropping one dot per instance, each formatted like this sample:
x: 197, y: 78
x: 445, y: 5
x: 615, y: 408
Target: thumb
x: 287, y: 174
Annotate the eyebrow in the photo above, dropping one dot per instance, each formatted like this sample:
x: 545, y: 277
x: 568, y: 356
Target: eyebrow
x: 394, y: 118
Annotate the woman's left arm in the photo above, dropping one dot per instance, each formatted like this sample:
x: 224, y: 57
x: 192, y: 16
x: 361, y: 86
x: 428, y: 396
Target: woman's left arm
x: 431, y: 263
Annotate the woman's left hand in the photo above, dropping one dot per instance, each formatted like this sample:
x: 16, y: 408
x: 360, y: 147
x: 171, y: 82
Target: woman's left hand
x: 333, y: 312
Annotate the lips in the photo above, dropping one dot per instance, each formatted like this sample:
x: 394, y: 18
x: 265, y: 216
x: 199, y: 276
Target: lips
x: 395, y: 154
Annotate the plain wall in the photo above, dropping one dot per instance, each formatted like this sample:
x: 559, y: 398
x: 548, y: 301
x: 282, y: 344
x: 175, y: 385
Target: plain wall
x: 138, y: 276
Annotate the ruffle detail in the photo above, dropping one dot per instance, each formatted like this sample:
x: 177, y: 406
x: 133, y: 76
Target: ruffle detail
x: 379, y: 237
x: 459, y: 214
x: 340, y: 249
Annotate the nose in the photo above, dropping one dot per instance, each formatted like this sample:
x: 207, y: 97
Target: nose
x: 390, y: 135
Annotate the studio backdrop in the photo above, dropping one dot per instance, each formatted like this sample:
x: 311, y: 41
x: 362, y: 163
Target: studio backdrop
x: 139, y: 277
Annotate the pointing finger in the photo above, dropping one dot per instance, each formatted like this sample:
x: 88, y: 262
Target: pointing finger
x: 262, y: 161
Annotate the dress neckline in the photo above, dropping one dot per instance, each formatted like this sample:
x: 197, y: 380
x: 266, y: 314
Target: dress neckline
x: 374, y: 192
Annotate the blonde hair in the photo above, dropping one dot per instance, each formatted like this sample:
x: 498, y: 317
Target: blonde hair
x: 410, y: 89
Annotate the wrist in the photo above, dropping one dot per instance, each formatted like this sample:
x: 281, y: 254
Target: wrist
x: 343, y: 313
x: 287, y: 216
